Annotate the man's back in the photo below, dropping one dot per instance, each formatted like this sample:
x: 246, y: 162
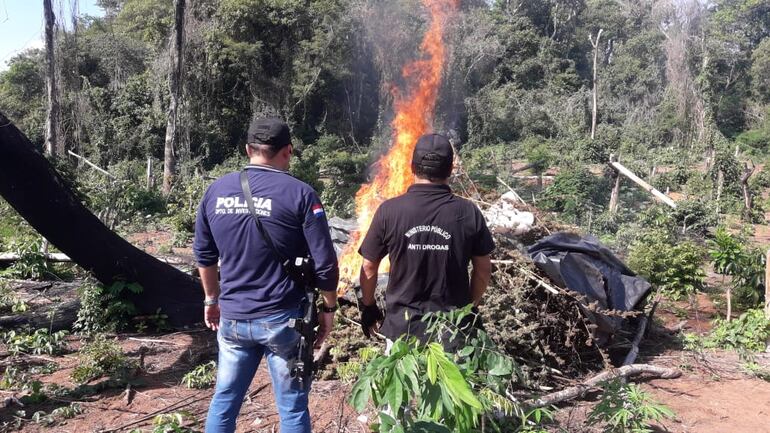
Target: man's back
x: 253, y: 283
x: 430, y: 236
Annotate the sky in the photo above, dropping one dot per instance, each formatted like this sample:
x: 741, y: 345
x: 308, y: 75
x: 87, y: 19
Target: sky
x: 21, y: 23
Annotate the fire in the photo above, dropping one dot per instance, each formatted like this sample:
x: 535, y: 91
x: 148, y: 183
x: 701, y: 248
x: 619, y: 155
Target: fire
x: 414, y: 116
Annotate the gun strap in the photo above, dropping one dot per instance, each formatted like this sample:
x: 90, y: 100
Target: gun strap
x: 253, y: 211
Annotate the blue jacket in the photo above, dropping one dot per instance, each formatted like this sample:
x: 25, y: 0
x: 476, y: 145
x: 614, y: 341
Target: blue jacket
x: 253, y: 283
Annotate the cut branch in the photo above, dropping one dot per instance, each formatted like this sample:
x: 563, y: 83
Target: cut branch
x: 605, y: 376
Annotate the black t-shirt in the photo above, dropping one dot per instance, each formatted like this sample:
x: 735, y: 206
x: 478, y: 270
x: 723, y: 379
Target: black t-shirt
x: 430, y: 236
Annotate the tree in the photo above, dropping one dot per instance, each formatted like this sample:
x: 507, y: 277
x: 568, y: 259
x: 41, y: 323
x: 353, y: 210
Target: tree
x: 595, y: 44
x: 175, y: 85
x: 53, y: 144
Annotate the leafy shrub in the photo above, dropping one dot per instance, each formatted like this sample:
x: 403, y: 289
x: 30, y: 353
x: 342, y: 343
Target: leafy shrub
x: 102, y: 357
x: 106, y: 309
x: 39, y: 342
x: 626, y: 408
x: 201, y: 377
x: 31, y: 263
x: 694, y: 216
x: 750, y: 331
x: 676, y: 268
x: 576, y: 193
x: 428, y: 389
x: 747, y: 266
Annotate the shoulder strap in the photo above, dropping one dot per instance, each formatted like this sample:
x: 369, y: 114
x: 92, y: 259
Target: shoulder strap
x: 250, y: 203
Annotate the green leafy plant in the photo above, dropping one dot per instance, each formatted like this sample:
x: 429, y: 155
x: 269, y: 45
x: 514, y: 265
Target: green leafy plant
x: 750, y: 331
x: 39, y: 342
x: 626, y: 408
x: 31, y: 262
x: 675, y: 267
x: 103, y: 357
x: 201, y: 377
x: 35, y: 393
x: 172, y: 423
x: 420, y: 387
x: 9, y: 302
x: 107, y: 309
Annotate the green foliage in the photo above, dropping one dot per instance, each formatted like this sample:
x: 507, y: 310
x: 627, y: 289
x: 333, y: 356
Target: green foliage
x: 201, y: 377
x: 750, y: 331
x: 102, y: 357
x: 746, y: 265
x: 350, y: 371
x: 575, y: 193
x: 39, y: 342
x: 425, y: 388
x: 108, y: 309
x: 726, y: 252
x: 175, y: 422
x: 31, y: 263
x: 674, y: 266
x: 9, y: 302
x: 626, y: 408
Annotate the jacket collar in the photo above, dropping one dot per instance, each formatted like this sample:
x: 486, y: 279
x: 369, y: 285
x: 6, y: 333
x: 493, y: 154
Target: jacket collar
x: 265, y: 167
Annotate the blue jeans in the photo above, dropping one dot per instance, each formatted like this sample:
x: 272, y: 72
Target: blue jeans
x: 242, y: 343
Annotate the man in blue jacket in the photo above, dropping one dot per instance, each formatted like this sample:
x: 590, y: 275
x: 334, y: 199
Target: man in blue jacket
x: 252, y: 299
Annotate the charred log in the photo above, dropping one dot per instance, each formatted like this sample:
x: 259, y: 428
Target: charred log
x: 38, y: 193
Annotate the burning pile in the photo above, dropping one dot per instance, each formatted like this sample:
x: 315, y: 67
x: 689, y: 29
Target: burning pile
x: 414, y: 116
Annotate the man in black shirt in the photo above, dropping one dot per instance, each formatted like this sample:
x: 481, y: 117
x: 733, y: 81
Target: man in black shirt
x: 430, y: 236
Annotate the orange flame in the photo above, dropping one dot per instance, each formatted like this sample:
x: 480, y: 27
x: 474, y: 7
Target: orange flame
x: 414, y: 116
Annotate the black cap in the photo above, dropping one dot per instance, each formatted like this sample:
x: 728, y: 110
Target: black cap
x: 272, y: 132
x: 433, y: 152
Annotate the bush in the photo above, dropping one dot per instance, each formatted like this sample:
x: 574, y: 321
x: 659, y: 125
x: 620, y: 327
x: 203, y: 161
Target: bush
x: 576, y: 193
x: 105, y: 309
x: 750, y: 331
x: 102, y: 357
x: 677, y: 268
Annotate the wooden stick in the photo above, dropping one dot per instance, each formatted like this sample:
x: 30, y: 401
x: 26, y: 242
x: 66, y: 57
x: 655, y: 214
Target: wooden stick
x: 51, y: 257
x: 637, y: 180
x: 94, y: 166
x: 518, y: 197
x: 605, y: 376
x: 767, y: 285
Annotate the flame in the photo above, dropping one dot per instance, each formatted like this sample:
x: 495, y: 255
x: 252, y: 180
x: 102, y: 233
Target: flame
x: 414, y: 116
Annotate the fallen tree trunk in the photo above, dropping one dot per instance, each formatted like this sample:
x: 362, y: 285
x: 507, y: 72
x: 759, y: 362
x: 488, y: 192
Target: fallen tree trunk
x: 605, y: 376
x: 57, y: 318
x: 38, y: 193
x: 51, y: 257
x: 63, y: 258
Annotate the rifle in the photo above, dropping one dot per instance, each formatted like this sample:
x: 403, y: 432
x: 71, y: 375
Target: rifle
x: 302, y: 367
x: 302, y: 272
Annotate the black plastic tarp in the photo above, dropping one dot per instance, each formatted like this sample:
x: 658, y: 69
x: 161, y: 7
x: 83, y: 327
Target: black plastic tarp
x: 584, y: 265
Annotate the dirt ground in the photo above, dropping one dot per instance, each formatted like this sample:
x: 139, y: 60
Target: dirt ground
x: 713, y: 395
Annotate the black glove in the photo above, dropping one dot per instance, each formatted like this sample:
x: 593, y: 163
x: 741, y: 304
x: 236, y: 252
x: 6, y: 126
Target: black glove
x: 370, y: 315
